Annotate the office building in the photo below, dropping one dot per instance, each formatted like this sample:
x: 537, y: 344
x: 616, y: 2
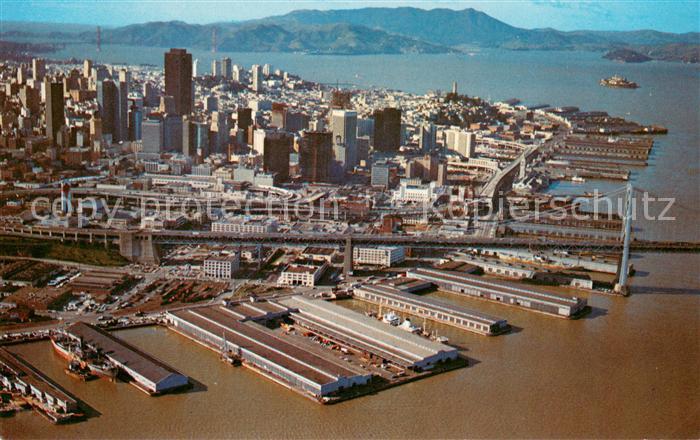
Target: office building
x: 226, y: 68
x: 315, y: 156
x: 256, y: 78
x: 387, y: 129
x: 87, y: 68
x: 427, y: 138
x: 152, y: 135
x: 344, y: 127
x: 135, y: 121
x: 380, y: 175
x: 172, y: 133
x: 244, y: 118
x: 38, y: 69
x: 276, y: 149
x: 55, y: 111
x: 385, y: 256
x: 178, y: 79
x: 108, y: 105
x: 222, y: 266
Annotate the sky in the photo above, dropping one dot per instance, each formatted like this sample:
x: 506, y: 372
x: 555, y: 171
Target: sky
x: 668, y: 15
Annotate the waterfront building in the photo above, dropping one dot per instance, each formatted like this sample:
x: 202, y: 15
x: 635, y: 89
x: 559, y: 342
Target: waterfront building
x: 368, y: 334
x: 501, y: 292
x: 149, y: 374
x: 430, y: 308
x: 293, y: 365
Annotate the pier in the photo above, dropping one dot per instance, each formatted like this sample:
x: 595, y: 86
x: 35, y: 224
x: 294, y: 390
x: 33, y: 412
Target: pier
x: 502, y: 292
x: 148, y: 373
x: 19, y: 376
x: 430, y: 308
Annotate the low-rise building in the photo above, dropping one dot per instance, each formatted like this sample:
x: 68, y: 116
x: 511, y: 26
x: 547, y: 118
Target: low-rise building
x: 245, y: 225
x: 302, y: 273
x: 386, y: 256
x: 222, y: 266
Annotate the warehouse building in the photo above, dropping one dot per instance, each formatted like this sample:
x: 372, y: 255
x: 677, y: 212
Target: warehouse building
x: 368, y: 335
x: 149, y: 374
x: 502, y: 292
x: 432, y: 309
x: 265, y: 351
x: 18, y: 375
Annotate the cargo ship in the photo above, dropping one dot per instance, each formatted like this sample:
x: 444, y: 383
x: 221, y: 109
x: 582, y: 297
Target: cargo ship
x: 617, y: 81
x: 91, y: 362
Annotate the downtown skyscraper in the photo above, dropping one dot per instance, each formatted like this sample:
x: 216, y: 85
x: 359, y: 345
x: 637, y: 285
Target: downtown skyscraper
x: 178, y: 79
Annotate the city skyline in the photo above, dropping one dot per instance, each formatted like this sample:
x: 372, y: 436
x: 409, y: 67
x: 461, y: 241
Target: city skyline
x: 665, y: 16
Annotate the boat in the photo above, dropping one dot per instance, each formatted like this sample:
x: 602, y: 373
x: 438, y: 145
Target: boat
x: 391, y: 318
x: 620, y: 82
x: 103, y: 368
x: 78, y: 371
x: 409, y: 327
x: 92, y: 360
x: 577, y: 179
x: 65, y: 347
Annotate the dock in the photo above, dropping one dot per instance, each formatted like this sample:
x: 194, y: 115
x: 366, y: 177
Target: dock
x: 19, y: 376
x: 368, y: 335
x: 148, y: 373
x: 266, y: 352
x: 431, y: 308
x: 502, y: 292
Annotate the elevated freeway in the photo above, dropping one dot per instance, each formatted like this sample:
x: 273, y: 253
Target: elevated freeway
x: 142, y: 245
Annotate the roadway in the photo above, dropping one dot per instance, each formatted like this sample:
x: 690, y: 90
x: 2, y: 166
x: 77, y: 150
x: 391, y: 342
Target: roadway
x: 173, y: 237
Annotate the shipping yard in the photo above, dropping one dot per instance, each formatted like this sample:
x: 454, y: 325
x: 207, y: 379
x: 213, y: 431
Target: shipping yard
x: 326, y: 240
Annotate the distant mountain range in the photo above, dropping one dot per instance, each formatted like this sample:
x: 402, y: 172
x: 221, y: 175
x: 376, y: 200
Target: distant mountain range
x: 379, y: 30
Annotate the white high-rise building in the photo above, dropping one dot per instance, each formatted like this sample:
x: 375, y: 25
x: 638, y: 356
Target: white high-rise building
x: 216, y: 68
x: 267, y: 70
x: 256, y: 78
x: 344, y: 127
x: 195, y: 64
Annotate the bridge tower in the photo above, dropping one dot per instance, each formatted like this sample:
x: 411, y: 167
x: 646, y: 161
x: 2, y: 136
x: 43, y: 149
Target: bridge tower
x: 99, y: 39
x: 347, y: 260
x: 621, y: 286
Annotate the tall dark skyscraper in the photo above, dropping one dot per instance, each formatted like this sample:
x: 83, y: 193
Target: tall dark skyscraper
x: 108, y: 102
x: 387, y: 129
x: 277, y: 147
x: 178, y: 79
x: 55, y: 112
x: 315, y: 156
x: 245, y: 119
